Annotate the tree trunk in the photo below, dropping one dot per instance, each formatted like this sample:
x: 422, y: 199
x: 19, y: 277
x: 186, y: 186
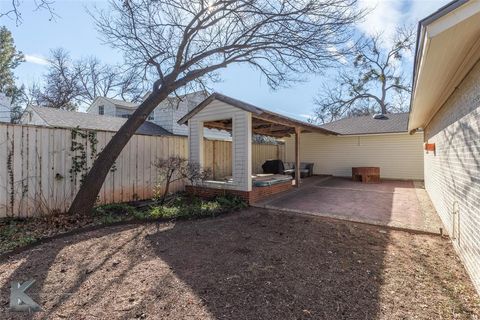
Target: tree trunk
x: 383, y: 105
x: 384, y: 108
x: 87, y: 195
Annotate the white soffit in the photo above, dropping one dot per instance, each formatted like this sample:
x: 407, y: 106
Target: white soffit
x: 451, y: 47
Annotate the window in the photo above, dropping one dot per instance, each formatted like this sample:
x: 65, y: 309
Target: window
x: 151, y: 117
x: 101, y: 110
x: 126, y: 116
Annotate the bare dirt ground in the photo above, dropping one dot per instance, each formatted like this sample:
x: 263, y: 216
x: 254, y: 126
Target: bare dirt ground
x: 255, y: 264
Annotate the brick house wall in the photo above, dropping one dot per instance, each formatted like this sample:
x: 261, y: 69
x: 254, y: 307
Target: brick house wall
x: 452, y: 172
x: 257, y: 194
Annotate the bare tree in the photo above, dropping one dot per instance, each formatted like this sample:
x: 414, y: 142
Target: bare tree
x: 61, y: 83
x: 178, y: 43
x: 69, y: 84
x: 14, y: 12
x: 98, y: 79
x: 372, y: 83
x: 176, y: 168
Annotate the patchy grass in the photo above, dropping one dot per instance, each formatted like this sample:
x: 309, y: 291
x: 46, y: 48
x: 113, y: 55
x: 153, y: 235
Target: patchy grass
x: 12, y: 235
x: 16, y: 233
x: 255, y: 264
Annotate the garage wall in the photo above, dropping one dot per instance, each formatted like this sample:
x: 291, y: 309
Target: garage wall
x: 399, y: 156
x: 452, y: 173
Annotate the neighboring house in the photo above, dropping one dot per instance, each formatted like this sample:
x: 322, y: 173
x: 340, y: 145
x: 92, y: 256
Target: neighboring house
x: 51, y: 117
x: 446, y: 104
x: 364, y: 142
x: 165, y: 115
x: 113, y: 108
x: 5, y: 109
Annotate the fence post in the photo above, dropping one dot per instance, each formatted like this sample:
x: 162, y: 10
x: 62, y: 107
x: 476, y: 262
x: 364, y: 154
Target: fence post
x: 214, y: 162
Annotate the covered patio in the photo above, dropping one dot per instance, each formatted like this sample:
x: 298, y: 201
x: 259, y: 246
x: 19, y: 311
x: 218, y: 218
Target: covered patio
x: 243, y: 120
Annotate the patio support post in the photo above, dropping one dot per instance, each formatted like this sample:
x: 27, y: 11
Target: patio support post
x: 297, y: 157
x: 195, y: 141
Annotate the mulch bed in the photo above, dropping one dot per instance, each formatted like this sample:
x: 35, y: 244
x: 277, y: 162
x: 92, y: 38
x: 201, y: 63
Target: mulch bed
x: 255, y: 264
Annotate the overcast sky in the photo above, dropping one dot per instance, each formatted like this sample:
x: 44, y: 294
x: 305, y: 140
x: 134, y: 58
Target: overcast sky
x: 73, y: 30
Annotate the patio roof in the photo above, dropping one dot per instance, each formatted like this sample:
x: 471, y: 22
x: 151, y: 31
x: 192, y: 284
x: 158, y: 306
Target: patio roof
x: 264, y: 122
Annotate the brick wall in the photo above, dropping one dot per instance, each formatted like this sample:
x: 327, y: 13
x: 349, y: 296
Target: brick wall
x: 257, y: 194
x: 452, y: 173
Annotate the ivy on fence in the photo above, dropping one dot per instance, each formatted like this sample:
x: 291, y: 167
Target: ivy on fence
x: 80, y: 140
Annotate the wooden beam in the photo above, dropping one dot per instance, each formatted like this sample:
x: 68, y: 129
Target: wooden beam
x: 261, y: 127
x: 270, y: 126
x: 291, y: 123
x: 274, y: 132
x: 297, y: 157
x: 217, y: 125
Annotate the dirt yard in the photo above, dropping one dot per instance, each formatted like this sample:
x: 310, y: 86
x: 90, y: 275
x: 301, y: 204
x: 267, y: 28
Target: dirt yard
x: 255, y: 264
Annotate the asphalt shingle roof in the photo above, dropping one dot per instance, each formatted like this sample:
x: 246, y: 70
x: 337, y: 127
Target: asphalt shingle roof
x: 121, y: 103
x: 392, y: 123
x: 70, y: 119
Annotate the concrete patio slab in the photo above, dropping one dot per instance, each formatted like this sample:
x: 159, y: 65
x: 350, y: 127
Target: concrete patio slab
x: 392, y: 203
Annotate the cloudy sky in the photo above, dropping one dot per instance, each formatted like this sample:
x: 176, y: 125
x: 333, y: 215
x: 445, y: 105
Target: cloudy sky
x: 73, y: 30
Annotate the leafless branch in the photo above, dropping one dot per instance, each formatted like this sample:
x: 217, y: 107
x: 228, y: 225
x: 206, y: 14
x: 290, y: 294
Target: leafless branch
x: 180, y: 43
x: 372, y: 83
x: 14, y: 11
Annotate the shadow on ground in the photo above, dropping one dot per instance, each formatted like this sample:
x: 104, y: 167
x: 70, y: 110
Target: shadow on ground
x: 251, y: 265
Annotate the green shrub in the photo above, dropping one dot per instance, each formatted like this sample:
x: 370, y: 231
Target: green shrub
x: 26, y: 240
x: 178, y: 208
x: 111, y: 213
x: 231, y: 202
x: 190, y: 208
x: 164, y: 212
x: 9, y: 230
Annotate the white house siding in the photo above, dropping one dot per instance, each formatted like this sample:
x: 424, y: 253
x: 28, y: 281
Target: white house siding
x: 399, y: 156
x: 108, y: 107
x: 5, y: 108
x: 452, y: 173
x: 121, y: 112
x: 163, y: 116
x: 241, y: 143
x: 169, y: 112
x: 31, y: 117
x: 167, y: 115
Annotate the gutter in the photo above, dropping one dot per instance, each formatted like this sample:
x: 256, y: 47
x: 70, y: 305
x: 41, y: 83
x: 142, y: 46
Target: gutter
x: 422, y: 24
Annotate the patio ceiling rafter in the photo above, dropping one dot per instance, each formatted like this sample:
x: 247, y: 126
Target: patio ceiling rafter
x: 259, y: 126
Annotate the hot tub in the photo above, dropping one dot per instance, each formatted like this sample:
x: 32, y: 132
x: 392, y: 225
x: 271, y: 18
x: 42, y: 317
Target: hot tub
x: 270, y: 179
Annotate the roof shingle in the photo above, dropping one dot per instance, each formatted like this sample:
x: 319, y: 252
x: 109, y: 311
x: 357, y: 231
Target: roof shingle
x: 392, y: 123
x: 70, y: 119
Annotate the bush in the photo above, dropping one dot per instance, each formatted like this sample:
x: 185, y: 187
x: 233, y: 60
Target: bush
x: 196, y: 208
x: 116, y: 212
x: 231, y: 202
x: 181, y: 207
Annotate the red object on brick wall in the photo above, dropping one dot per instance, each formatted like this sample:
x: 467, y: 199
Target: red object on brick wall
x: 430, y: 147
x: 257, y: 193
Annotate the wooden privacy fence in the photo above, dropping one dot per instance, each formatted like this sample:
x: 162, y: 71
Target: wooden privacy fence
x: 218, y: 156
x: 41, y: 168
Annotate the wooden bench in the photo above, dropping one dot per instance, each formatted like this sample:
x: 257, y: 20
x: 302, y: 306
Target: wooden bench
x: 366, y: 174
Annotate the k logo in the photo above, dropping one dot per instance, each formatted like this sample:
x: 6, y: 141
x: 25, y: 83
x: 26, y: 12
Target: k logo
x: 19, y: 301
